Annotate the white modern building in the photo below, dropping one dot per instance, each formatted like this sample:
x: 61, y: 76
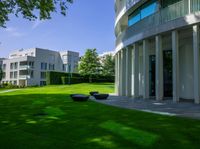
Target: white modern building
x: 157, y: 49
x: 29, y: 67
x: 1, y: 61
x: 107, y: 53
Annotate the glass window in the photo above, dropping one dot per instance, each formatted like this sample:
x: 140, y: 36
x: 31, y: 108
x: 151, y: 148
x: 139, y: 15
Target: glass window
x: 31, y: 74
x: 43, y: 75
x: 15, y: 74
x: 148, y: 10
x: 41, y: 65
x: 44, y: 66
x: 142, y: 12
x: 11, y: 65
x: 4, y: 66
x: 16, y: 65
x: 51, y: 67
x: 134, y: 18
x: 4, y: 75
x: 31, y: 64
x: 64, y: 67
x: 165, y: 3
x: 11, y: 75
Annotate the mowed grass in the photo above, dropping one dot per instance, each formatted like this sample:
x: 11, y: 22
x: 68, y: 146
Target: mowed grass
x: 47, y: 118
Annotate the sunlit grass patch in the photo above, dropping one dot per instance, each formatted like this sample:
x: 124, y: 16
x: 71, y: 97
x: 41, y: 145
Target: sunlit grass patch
x: 48, y: 118
x: 38, y: 102
x: 105, y: 141
x: 139, y: 137
x: 53, y: 111
x: 29, y: 121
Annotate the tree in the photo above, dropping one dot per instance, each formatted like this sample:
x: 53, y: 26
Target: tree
x: 108, y: 65
x: 89, y: 64
x: 31, y: 9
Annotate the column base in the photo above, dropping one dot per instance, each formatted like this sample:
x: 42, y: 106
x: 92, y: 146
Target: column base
x: 159, y: 98
x: 197, y: 101
x: 175, y: 100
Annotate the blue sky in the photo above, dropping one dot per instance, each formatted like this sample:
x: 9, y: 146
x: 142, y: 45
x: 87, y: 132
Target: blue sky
x: 88, y: 24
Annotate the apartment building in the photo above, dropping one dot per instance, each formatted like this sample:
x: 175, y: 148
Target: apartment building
x: 157, y: 49
x: 70, y: 61
x: 1, y: 61
x: 29, y: 67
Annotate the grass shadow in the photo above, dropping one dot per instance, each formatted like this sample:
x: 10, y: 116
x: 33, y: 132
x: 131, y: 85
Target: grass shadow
x: 53, y: 120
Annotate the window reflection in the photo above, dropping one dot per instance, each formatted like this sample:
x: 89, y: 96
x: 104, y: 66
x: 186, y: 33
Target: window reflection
x: 142, y: 12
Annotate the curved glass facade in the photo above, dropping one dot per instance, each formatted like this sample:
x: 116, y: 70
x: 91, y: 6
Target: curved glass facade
x: 144, y: 11
x: 157, y: 50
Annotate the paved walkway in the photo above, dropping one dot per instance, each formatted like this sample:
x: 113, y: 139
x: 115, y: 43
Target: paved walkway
x: 7, y: 91
x: 166, y: 107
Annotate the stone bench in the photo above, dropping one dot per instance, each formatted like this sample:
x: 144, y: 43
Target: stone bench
x: 79, y: 97
x: 101, y: 96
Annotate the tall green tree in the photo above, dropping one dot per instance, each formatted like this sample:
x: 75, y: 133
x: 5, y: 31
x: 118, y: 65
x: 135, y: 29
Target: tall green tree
x: 108, y: 65
x: 31, y: 9
x: 89, y: 64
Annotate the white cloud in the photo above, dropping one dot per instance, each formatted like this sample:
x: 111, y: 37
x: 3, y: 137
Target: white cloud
x: 36, y: 23
x: 10, y: 29
x: 14, y: 32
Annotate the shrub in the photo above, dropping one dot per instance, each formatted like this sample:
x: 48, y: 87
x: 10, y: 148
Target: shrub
x: 55, y: 78
x: 9, y: 86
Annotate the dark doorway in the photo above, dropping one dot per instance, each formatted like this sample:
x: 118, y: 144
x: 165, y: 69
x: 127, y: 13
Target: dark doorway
x: 167, y: 72
x: 152, y: 65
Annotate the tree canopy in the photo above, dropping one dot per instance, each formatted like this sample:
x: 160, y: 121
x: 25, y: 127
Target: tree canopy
x: 89, y: 64
x: 31, y: 9
x: 108, y: 65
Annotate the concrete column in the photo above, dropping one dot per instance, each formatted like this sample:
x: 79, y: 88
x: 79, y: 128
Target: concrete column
x: 124, y: 72
x: 189, y: 6
x: 175, y: 57
x: 159, y: 68
x: 146, y: 68
x: 120, y: 72
x: 196, y: 64
x: 128, y: 71
x: 135, y: 71
x: 116, y: 74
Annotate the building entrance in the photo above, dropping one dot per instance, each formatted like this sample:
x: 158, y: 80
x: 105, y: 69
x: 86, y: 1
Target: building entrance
x: 167, y: 73
x: 152, y: 85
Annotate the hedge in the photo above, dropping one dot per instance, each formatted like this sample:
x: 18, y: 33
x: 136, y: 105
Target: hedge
x: 72, y: 80
x: 55, y: 78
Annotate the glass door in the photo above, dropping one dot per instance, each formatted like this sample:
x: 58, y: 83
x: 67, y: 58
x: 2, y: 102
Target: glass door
x: 152, y: 68
x: 167, y: 72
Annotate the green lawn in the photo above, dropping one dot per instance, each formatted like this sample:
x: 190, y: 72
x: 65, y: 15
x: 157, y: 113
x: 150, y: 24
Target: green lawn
x: 45, y: 118
x: 2, y: 89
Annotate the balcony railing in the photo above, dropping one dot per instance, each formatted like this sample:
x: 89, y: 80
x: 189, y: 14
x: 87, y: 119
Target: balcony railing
x: 25, y: 67
x: 125, y: 4
x: 121, y: 6
x: 195, y: 5
x: 130, y: 3
x: 163, y: 16
x: 24, y: 76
